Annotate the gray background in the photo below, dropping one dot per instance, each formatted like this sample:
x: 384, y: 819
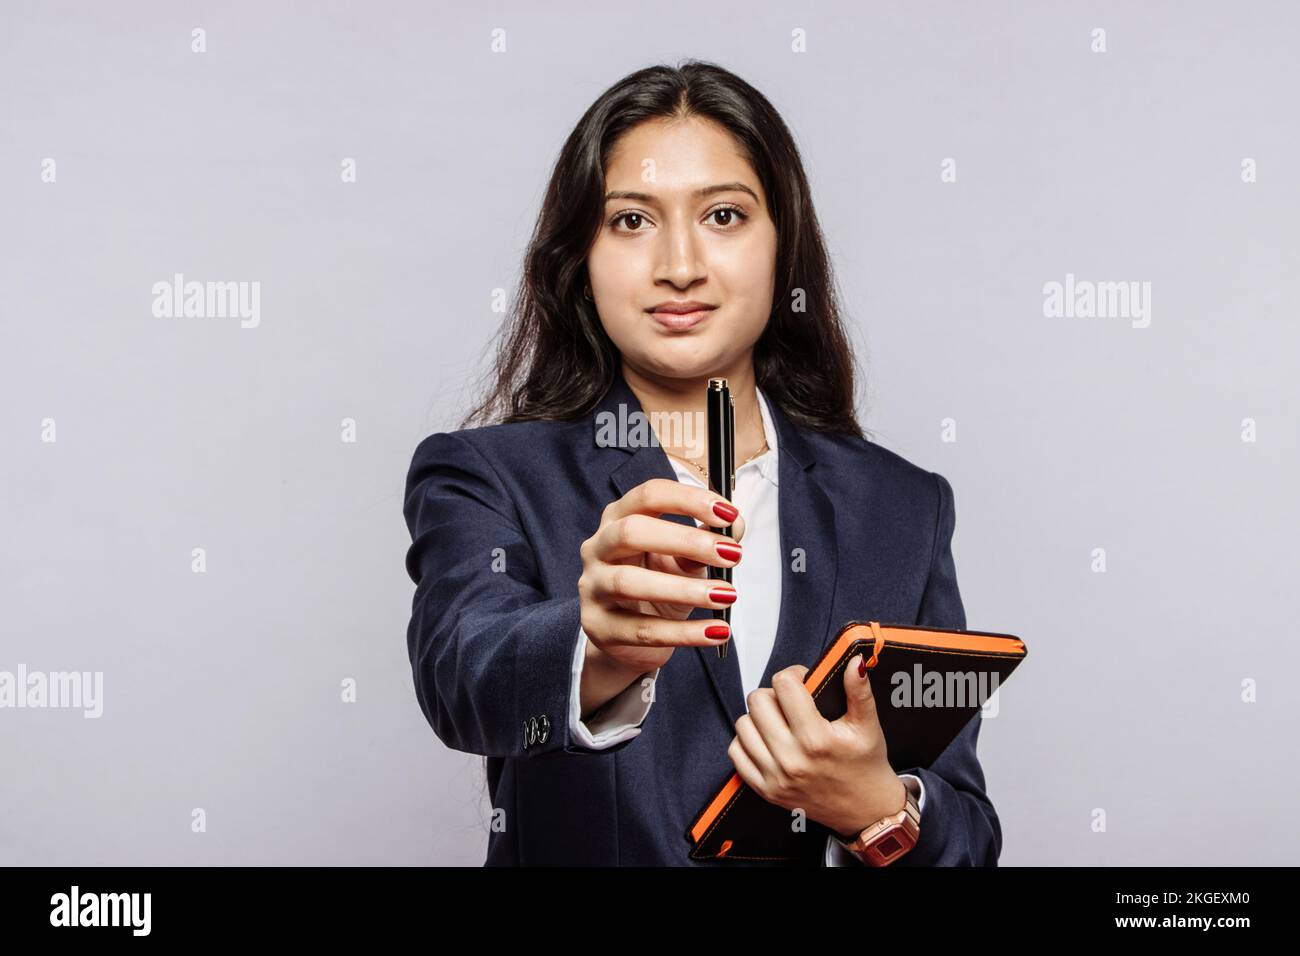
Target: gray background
x: 222, y: 690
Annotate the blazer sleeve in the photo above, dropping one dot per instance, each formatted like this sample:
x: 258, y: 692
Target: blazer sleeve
x: 959, y: 826
x: 491, y: 653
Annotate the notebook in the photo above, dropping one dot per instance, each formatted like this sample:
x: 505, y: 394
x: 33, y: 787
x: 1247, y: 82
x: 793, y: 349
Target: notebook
x: 919, y: 713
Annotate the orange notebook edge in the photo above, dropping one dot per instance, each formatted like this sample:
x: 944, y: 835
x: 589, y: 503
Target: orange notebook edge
x: 878, y: 634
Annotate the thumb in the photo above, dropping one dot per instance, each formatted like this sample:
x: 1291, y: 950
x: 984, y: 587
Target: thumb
x: 857, y: 691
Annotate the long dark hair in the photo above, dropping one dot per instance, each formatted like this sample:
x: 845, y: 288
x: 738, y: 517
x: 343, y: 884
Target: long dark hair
x: 554, y: 360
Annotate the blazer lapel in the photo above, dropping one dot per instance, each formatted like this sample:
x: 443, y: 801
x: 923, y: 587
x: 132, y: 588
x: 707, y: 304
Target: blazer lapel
x: 807, y: 533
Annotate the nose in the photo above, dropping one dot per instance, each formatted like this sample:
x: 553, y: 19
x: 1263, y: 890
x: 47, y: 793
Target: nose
x: 679, y: 257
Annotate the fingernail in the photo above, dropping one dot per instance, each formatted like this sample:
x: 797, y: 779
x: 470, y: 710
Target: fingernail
x: 725, y: 511
x: 722, y: 596
x: 717, y: 631
x: 729, y: 551
x: 862, y: 665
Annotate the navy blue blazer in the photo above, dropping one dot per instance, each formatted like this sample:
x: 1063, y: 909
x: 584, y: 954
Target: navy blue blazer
x: 497, y: 515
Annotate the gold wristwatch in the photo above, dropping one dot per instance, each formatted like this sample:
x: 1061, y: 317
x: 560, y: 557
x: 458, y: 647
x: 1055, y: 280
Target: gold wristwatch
x: 887, y: 839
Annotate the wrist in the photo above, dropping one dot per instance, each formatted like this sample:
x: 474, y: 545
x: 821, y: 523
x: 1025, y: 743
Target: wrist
x: 891, y: 836
x: 608, y: 667
x: 867, y: 816
x: 603, y: 678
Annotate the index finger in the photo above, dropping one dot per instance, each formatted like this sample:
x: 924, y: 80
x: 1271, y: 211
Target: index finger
x: 796, y: 701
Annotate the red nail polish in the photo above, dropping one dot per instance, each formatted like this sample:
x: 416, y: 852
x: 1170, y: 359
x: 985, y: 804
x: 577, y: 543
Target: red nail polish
x: 722, y: 596
x: 862, y: 665
x: 729, y: 551
x: 725, y: 511
x: 717, y: 631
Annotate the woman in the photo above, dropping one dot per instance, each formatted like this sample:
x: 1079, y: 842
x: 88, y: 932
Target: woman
x: 562, y: 624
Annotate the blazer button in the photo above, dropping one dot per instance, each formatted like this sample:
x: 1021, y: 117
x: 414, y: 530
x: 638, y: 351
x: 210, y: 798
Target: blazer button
x: 530, y: 732
x: 544, y: 730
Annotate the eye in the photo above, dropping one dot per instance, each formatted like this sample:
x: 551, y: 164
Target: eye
x: 630, y: 216
x: 730, y: 212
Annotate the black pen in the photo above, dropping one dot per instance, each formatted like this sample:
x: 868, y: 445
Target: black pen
x: 722, y: 459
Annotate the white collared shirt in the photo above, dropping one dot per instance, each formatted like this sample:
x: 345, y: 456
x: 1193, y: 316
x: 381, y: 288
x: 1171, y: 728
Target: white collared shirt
x: 754, y: 617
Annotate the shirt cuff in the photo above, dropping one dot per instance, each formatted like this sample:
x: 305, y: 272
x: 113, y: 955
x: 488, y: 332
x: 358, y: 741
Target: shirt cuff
x: 920, y: 789
x: 620, y: 718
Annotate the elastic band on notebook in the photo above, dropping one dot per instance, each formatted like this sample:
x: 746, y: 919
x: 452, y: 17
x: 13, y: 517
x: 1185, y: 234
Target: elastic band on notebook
x: 878, y: 646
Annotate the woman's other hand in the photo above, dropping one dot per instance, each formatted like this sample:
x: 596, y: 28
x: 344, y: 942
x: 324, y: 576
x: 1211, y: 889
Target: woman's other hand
x: 837, y: 772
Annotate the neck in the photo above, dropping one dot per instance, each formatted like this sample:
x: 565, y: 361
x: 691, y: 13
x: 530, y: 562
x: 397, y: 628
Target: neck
x: 673, y: 400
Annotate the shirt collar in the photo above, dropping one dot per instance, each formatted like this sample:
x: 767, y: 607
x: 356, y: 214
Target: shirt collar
x: 767, y: 462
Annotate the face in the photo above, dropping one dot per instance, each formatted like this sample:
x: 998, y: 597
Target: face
x: 685, y: 221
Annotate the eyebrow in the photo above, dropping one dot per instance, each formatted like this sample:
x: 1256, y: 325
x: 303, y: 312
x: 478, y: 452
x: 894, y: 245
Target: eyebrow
x: 698, y: 194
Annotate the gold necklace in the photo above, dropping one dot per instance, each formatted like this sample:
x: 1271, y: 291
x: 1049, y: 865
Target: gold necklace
x: 704, y: 471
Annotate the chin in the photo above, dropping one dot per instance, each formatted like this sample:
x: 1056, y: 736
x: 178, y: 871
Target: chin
x: 679, y: 360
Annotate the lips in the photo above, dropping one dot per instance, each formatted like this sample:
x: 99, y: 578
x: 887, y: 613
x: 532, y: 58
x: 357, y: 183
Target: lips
x: 681, y: 321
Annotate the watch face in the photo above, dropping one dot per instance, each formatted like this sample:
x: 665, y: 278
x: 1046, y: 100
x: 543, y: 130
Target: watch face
x: 891, y: 844
x: 888, y: 845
